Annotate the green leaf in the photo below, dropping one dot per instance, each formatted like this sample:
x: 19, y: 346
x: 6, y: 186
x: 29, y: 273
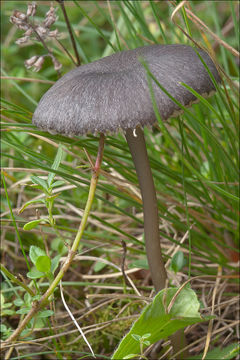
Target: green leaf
x: 30, y: 203
x: 136, y: 337
x: 54, y: 263
x: 43, y: 263
x: 18, y: 302
x: 27, y: 298
x: 98, y: 266
x: 139, y: 263
x: 35, y: 252
x: 55, y: 165
x: 227, y: 353
x: 3, y: 328
x: 57, y: 183
x: 184, y: 312
x: 178, y: 261
x: 37, y: 180
x: 7, y: 305
x: 45, y: 313
x: 32, y: 224
x: 35, y: 274
x: 7, y: 312
x: 146, y: 342
x: 22, y: 311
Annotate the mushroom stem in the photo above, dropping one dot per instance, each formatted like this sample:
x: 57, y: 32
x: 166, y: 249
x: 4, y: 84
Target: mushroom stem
x: 137, y: 146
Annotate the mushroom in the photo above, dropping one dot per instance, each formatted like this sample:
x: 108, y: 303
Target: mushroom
x: 112, y: 94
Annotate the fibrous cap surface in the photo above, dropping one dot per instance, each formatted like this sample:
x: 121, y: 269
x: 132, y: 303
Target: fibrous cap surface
x: 113, y: 93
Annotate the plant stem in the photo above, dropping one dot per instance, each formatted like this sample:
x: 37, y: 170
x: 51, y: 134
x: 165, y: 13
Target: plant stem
x: 37, y: 306
x: 61, y: 2
x: 14, y: 279
x: 16, y: 229
x: 138, y: 150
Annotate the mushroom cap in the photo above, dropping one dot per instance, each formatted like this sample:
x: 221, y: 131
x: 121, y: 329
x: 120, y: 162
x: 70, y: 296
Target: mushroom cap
x: 113, y: 93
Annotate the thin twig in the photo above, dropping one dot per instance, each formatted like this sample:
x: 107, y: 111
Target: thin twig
x: 74, y: 320
x: 27, y: 79
x: 49, y: 51
x: 66, y: 51
x: 200, y: 24
x: 123, y: 263
x: 210, y: 325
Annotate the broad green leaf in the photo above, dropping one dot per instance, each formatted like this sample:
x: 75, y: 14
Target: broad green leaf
x: 35, y: 274
x: 227, y: 353
x: 43, y: 263
x: 24, y: 310
x: 178, y: 261
x: 35, y: 252
x: 27, y: 298
x: 7, y: 305
x: 54, y: 263
x: 3, y: 328
x: 98, y: 266
x: 18, y: 302
x: 184, y: 312
x: 45, y: 313
x: 32, y: 224
x: 7, y: 312
x: 37, y: 180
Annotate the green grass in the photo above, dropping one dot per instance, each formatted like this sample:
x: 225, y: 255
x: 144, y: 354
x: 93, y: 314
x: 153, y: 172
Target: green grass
x: 194, y: 159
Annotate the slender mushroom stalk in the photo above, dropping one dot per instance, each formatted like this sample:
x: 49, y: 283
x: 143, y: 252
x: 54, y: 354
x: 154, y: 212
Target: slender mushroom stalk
x: 137, y: 146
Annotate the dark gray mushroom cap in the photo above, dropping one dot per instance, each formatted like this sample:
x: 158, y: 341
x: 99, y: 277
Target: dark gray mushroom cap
x: 113, y: 93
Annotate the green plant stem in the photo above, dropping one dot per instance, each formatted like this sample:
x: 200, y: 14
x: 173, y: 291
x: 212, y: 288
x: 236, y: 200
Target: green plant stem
x: 16, y: 228
x: 15, y: 280
x: 38, y: 305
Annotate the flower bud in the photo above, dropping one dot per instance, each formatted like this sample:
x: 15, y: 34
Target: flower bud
x: 32, y: 8
x: 51, y: 12
x: 19, y: 15
x: 24, y: 27
x: 56, y: 63
x: 28, y: 63
x: 42, y: 31
x: 53, y: 33
x: 14, y: 20
x: 38, y: 64
x: 22, y: 40
x: 50, y: 20
x: 29, y: 32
